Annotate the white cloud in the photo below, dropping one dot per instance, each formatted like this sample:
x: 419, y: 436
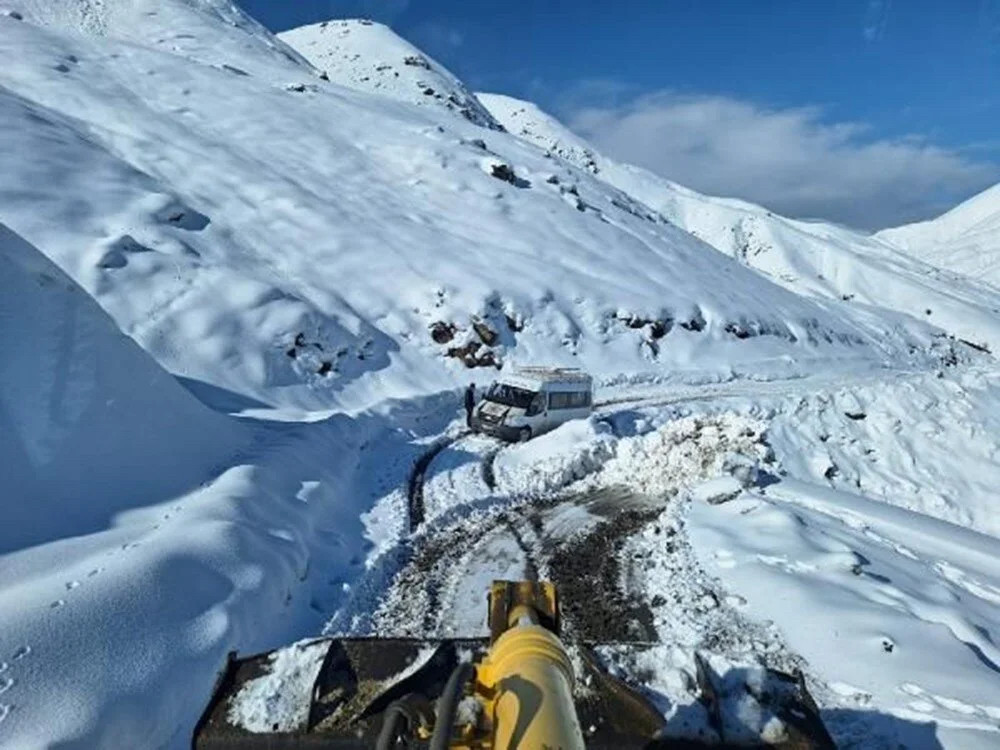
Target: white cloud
x: 790, y: 160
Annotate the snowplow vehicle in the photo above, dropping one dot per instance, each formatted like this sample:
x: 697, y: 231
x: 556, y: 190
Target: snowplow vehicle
x: 519, y: 688
x: 533, y: 400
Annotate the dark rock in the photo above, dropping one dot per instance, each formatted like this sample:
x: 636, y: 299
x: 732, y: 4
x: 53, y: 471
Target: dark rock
x: 659, y: 328
x: 738, y: 331
x: 696, y: 323
x: 506, y: 173
x: 855, y: 415
x: 462, y: 352
x: 486, y: 334
x: 417, y: 61
x: 474, y: 355
x: 325, y: 368
x: 442, y: 332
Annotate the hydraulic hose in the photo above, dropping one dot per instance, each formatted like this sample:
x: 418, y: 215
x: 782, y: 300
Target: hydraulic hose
x: 448, y: 706
x: 403, y: 716
x: 392, y: 725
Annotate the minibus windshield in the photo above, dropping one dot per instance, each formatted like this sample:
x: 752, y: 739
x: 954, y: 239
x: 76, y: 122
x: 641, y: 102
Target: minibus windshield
x: 509, y: 395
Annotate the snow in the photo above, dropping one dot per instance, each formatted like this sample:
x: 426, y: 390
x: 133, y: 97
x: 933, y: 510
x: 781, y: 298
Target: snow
x: 963, y: 239
x: 368, y: 56
x: 221, y: 276
x: 717, y: 490
x: 280, y: 699
x: 811, y: 258
x: 882, y: 600
x: 81, y: 428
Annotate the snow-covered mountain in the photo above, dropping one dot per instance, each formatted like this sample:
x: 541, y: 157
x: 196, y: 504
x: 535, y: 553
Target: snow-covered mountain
x: 966, y: 239
x: 814, y: 259
x: 368, y: 56
x: 246, y: 241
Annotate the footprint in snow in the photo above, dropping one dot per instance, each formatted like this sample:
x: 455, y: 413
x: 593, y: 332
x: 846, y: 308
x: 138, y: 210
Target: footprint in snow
x: 70, y: 585
x: 6, y: 683
x: 21, y: 653
x: 94, y: 572
x: 4, y: 711
x: 57, y: 604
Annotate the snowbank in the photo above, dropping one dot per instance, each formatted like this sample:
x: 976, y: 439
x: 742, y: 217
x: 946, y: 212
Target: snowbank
x: 894, y: 609
x: 89, y: 424
x: 147, y: 536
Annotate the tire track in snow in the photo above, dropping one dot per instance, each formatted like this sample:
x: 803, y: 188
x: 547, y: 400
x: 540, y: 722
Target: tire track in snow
x: 415, y: 488
x: 489, y: 474
x: 744, y: 387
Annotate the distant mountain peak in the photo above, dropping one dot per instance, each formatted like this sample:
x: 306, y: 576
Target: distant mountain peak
x: 965, y: 239
x: 370, y: 57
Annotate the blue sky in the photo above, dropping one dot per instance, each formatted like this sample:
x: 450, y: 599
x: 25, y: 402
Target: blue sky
x: 798, y: 104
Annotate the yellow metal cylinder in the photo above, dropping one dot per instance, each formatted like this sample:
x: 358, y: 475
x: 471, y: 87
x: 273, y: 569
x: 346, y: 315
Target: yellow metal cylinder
x: 533, y: 681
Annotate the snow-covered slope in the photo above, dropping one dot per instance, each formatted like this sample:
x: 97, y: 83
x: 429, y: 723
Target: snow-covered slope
x: 246, y: 241
x: 966, y: 239
x: 368, y: 56
x: 215, y: 32
x: 144, y: 536
x: 811, y: 258
x: 86, y: 417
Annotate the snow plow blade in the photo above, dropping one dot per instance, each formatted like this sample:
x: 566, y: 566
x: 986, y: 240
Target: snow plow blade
x: 359, y: 679
x: 374, y: 692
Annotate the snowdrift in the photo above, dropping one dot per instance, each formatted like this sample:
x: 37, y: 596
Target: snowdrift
x: 145, y: 536
x: 88, y: 422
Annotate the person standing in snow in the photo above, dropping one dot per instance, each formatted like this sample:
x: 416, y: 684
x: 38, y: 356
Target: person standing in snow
x: 470, y: 403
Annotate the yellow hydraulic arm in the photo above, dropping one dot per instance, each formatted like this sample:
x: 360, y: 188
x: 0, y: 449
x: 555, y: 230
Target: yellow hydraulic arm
x: 523, y: 686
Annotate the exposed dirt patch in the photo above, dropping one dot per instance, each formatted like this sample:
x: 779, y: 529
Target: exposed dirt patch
x: 588, y: 575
